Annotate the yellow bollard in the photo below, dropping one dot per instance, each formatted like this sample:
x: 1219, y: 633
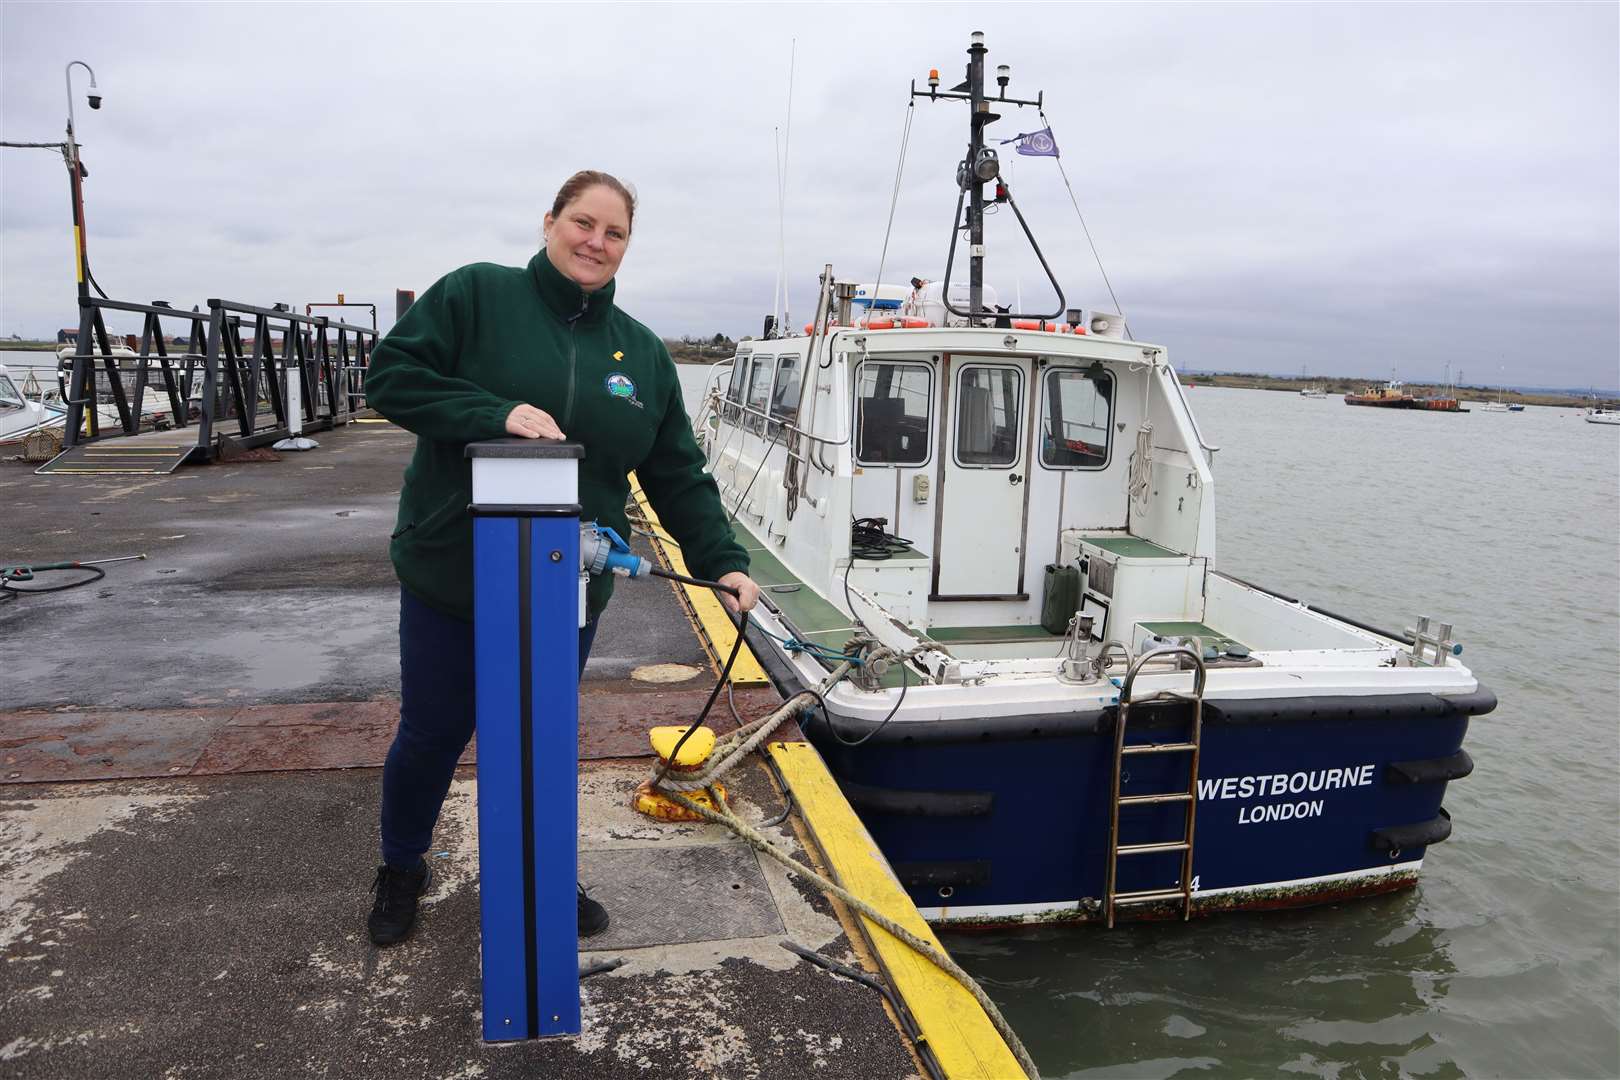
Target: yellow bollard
x: 694, y: 754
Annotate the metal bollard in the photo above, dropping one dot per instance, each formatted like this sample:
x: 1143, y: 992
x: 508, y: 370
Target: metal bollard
x: 528, y: 605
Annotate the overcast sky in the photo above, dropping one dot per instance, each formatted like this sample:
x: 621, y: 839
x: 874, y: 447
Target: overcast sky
x: 1348, y: 188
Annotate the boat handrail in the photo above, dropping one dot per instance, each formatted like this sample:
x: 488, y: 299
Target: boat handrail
x: 793, y: 455
x: 770, y: 418
x: 1163, y: 653
x: 1175, y: 380
x: 1403, y: 638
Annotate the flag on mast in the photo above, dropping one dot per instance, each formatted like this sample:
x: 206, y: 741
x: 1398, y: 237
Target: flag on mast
x: 1035, y: 143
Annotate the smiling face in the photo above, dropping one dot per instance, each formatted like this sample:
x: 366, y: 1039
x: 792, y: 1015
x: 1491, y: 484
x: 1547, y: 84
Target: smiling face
x: 586, y: 241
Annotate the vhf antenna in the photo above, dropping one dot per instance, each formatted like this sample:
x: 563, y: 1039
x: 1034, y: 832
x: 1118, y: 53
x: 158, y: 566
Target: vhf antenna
x: 978, y: 168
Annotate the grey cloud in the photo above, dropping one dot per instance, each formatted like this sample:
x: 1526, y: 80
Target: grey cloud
x: 1266, y: 183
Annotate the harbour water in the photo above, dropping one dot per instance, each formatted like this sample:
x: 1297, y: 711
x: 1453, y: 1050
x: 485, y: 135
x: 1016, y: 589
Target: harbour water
x: 1505, y: 960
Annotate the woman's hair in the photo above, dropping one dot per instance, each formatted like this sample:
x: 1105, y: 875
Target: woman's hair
x: 589, y: 178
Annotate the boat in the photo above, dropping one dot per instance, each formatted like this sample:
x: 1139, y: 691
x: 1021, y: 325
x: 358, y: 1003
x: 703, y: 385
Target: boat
x: 1501, y: 404
x: 22, y: 415
x: 987, y: 541
x: 1394, y: 395
x: 1391, y: 395
x: 30, y: 408
x: 1603, y: 414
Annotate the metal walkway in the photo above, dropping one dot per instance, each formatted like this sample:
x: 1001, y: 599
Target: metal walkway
x: 289, y: 374
x: 154, y: 453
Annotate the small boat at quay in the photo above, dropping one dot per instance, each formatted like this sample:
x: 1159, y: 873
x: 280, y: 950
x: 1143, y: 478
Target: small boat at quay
x: 22, y: 415
x: 987, y: 540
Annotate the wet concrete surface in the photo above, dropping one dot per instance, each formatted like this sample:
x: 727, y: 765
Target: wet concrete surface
x: 214, y: 927
x: 264, y: 582
x: 193, y: 903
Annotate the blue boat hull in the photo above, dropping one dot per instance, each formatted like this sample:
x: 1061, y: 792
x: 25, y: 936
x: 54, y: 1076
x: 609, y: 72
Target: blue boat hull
x: 1300, y: 802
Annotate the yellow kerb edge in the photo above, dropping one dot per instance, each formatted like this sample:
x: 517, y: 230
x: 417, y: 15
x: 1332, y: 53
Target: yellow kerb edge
x: 719, y: 632
x: 961, y: 1035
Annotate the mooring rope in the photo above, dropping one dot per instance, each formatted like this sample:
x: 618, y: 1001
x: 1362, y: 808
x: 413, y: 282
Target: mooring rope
x: 738, y: 744
x: 725, y: 816
x: 1140, y: 486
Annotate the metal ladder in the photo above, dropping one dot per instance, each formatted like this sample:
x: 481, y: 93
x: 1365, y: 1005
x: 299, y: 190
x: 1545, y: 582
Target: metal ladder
x: 1183, y: 890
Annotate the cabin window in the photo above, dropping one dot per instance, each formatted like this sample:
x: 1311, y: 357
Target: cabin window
x: 989, y: 406
x: 734, y: 388
x: 785, y: 393
x: 892, y: 407
x: 1079, y: 409
x: 759, y: 393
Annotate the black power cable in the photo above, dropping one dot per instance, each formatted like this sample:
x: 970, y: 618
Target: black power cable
x: 869, y: 540
x: 908, y: 1024
x: 725, y: 672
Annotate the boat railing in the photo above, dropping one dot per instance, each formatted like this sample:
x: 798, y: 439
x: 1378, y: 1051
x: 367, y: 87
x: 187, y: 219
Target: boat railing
x: 726, y: 409
x: 1208, y: 448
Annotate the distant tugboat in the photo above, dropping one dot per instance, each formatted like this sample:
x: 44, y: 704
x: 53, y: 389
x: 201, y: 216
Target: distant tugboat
x: 1393, y: 395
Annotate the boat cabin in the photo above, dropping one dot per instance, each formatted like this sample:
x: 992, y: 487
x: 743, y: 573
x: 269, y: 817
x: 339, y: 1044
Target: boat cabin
x: 986, y: 455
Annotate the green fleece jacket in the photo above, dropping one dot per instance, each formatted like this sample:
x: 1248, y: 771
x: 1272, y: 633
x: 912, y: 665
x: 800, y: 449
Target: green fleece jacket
x: 485, y: 339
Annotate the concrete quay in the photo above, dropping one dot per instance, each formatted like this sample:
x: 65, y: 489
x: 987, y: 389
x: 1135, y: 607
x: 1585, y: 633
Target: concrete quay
x: 189, y: 754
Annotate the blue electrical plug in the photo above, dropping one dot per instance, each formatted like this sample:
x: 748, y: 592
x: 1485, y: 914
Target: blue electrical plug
x: 601, y: 550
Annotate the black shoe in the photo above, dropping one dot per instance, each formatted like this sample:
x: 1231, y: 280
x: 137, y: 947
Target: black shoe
x: 593, y: 917
x: 394, y: 910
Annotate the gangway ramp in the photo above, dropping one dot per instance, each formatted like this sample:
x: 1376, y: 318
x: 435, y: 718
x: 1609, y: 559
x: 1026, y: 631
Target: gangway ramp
x: 154, y: 453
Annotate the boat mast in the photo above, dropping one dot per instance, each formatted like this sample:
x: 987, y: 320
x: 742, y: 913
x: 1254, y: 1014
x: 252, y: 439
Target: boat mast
x: 980, y: 167
x: 976, y: 161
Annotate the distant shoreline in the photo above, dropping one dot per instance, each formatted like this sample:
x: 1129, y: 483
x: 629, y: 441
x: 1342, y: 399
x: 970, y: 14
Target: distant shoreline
x: 1335, y: 386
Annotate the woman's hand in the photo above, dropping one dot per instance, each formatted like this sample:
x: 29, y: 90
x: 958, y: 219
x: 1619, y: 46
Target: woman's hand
x: 532, y: 423
x: 747, y: 593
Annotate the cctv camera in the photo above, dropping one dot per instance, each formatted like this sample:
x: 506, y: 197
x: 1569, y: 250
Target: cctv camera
x: 95, y: 101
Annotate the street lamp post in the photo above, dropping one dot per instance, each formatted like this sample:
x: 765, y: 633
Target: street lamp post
x: 76, y: 177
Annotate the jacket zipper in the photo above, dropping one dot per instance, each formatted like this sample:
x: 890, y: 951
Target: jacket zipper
x: 573, y: 355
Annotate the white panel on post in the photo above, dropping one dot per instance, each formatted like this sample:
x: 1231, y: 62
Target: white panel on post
x: 525, y: 472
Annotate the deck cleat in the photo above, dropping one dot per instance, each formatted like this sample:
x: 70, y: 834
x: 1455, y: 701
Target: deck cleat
x: 694, y: 754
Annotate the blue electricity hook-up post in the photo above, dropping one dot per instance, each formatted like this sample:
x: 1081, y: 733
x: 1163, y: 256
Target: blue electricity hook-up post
x: 528, y: 606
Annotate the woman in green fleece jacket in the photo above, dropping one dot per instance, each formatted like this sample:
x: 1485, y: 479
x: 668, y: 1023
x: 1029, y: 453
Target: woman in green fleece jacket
x: 541, y: 352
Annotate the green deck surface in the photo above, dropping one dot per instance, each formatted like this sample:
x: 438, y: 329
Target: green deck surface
x: 1131, y: 547
x: 817, y: 620
x: 1191, y: 629
x: 989, y: 634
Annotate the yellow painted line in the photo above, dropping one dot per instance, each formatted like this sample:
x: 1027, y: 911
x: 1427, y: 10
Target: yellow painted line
x: 719, y: 632
x: 956, y: 1027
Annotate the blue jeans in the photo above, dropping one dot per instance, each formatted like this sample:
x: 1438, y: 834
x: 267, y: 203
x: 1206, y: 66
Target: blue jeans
x: 436, y: 720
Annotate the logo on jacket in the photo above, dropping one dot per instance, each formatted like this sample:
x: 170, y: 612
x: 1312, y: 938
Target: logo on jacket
x: 619, y: 355
x: 621, y: 386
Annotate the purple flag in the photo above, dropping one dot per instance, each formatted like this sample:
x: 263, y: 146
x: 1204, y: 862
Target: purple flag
x: 1037, y: 144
